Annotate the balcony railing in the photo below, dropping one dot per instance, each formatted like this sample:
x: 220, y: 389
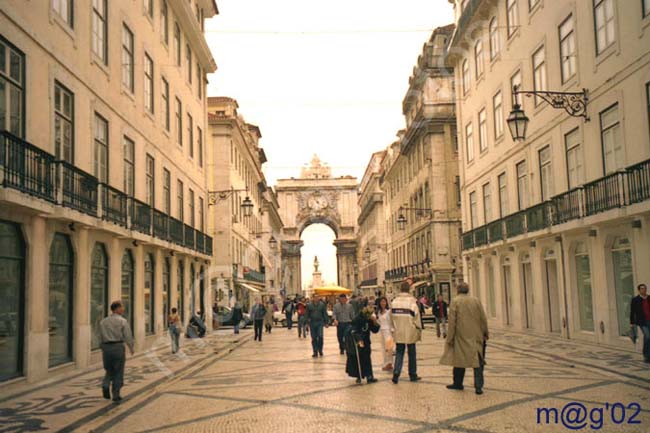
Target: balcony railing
x: 615, y: 190
x: 160, y: 225
x: 189, y: 236
x: 26, y: 168
x: 141, y: 216
x: 114, y: 205
x: 252, y: 275
x: 79, y: 189
x: 208, y: 245
x: 200, y: 241
x: 176, y: 231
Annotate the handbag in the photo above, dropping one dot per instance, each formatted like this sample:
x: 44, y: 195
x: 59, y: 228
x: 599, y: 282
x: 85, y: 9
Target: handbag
x: 389, y: 343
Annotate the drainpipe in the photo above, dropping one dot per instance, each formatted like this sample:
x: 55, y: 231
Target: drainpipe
x: 564, y: 293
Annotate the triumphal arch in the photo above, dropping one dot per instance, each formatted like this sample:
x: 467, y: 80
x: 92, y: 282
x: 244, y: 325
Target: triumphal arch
x: 317, y: 197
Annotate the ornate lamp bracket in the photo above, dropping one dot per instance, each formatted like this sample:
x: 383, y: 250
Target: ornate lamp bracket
x: 574, y: 103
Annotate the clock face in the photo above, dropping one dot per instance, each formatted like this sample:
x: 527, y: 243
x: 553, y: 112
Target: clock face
x: 317, y: 202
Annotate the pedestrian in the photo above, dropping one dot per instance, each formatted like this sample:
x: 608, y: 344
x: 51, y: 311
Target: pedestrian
x: 115, y: 332
x: 237, y: 317
x: 287, y: 310
x: 354, y: 301
x: 195, y: 327
x: 357, y: 340
x: 317, y: 318
x: 386, y: 332
x: 440, y: 316
x: 405, y: 319
x: 343, y: 314
x: 466, y: 337
x: 640, y: 316
x: 421, y: 308
x: 174, y: 321
x: 301, y: 310
x: 268, y: 317
x: 257, y: 313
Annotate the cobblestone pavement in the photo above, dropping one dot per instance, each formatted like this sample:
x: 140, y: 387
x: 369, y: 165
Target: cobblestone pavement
x: 275, y: 386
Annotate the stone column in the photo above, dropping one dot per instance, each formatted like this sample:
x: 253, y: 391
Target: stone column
x: 138, y: 297
x: 291, y: 264
x: 115, y: 253
x: 159, y: 314
x: 81, y: 301
x: 346, y: 253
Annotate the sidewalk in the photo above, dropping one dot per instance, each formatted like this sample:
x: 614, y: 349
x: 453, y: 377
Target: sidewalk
x: 66, y: 403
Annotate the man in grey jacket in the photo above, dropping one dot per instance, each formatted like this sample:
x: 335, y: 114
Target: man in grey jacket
x: 405, y: 318
x: 115, y: 332
x: 317, y: 318
x: 343, y: 313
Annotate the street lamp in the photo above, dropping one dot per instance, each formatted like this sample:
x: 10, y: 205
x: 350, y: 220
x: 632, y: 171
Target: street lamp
x: 273, y: 243
x: 215, y: 197
x: 401, y: 221
x: 517, y: 123
x: 247, y: 207
x: 366, y: 254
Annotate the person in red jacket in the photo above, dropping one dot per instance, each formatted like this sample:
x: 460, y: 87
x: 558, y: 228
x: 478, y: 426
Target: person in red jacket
x: 301, y: 309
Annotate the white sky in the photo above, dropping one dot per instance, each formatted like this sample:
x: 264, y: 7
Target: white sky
x: 316, y: 76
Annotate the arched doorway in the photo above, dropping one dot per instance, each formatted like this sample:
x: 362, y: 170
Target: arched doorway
x: 621, y: 253
x: 166, y: 293
x: 98, y: 292
x: 552, y: 292
x: 12, y: 293
x: 318, y: 265
x: 180, y: 291
x: 60, y: 300
x: 202, y: 290
x: 128, y: 289
x: 149, y: 313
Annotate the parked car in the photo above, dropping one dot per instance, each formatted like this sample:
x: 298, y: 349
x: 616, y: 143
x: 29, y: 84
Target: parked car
x: 224, y: 317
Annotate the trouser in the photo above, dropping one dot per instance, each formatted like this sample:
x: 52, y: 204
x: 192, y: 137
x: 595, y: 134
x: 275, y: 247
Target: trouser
x: 302, y: 326
x: 114, y: 358
x: 259, y: 323
x: 268, y: 327
x: 459, y: 376
x: 388, y: 354
x: 236, y: 327
x: 317, y: 337
x: 646, y: 340
x: 441, y: 321
x: 289, y: 320
x: 341, y: 329
x: 399, y: 359
x: 174, y: 334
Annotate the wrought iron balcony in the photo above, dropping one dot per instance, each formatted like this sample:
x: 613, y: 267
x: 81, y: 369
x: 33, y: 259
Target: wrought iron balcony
x: 176, y: 231
x: 253, y: 275
x: 26, y: 168
x: 468, y: 240
x: 79, y: 189
x: 495, y: 230
x: 480, y: 236
x: 160, y: 225
x: 200, y: 242
x: 189, y: 237
x: 538, y: 217
x: 114, y: 204
x: 140, y: 216
x: 638, y: 177
x: 515, y: 224
x: 604, y: 194
x: 567, y: 206
x: 208, y: 245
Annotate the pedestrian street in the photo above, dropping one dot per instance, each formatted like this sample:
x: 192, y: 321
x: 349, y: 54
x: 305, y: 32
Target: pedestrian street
x: 276, y: 386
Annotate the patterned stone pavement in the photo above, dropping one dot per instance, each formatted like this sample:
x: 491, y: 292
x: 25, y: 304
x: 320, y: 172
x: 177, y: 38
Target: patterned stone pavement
x: 275, y: 386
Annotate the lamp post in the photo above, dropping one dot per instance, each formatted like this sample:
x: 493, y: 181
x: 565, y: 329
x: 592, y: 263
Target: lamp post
x: 215, y: 197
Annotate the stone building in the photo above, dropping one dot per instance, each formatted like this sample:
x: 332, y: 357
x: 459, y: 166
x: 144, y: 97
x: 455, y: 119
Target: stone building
x: 556, y: 223
x: 420, y: 180
x: 371, y: 234
x: 102, y: 196
x: 243, y: 212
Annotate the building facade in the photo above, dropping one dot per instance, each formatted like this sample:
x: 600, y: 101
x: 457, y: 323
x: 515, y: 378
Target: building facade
x: 555, y: 224
x: 371, y: 234
x: 244, y: 261
x: 420, y: 180
x: 102, y: 113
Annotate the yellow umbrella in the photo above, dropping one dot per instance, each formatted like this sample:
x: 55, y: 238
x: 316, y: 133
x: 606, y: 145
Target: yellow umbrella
x: 332, y: 290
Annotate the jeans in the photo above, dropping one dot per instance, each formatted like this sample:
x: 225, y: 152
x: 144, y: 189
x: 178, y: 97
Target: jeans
x: 174, y: 333
x: 340, y: 333
x: 441, y: 321
x: 302, y: 326
x: 259, y: 324
x: 646, y: 340
x: 114, y: 358
x: 289, y: 320
x: 399, y: 360
x: 317, y: 337
x: 459, y: 376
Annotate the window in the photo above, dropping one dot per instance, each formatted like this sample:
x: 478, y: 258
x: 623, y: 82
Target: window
x: 583, y: 277
x: 478, y: 58
x: 148, y: 8
x: 473, y: 214
x: 191, y: 207
x: 100, y: 30
x: 466, y: 77
x: 469, y: 142
x: 190, y: 134
x: 574, y: 165
x: 149, y: 310
x: 646, y: 8
x: 604, y: 23
x: 539, y: 72
x: 127, y: 58
x: 199, y: 145
x: 179, y: 122
x: 98, y: 292
x: 63, y: 123
x: 60, y: 300
x: 503, y: 195
x: 623, y: 281
x: 167, y: 196
x: 151, y: 177
x: 165, y: 104
x: 512, y: 14
x: 164, y: 21
x: 188, y: 60
x: 522, y: 185
x: 515, y: 80
x: 482, y: 130
x: 201, y: 215
x: 179, y: 199
x: 487, y: 206
x: 12, y: 92
x: 497, y: 113
x: 65, y: 10
x: 612, y: 142
x: 457, y: 185
x: 545, y: 173
x: 495, y: 38
x: 177, y: 44
x: 128, y: 286
x: 101, y: 149
x: 148, y: 83
x: 129, y: 166
x: 567, y: 49
x: 199, y: 81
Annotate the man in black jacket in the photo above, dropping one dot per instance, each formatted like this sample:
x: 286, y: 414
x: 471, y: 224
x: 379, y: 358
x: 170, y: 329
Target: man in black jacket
x: 440, y: 315
x: 640, y: 316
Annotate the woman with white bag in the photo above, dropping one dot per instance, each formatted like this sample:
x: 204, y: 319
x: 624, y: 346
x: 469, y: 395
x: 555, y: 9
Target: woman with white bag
x: 386, y: 332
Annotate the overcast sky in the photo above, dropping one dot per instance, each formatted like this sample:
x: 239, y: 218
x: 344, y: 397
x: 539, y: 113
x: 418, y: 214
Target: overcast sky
x: 316, y: 76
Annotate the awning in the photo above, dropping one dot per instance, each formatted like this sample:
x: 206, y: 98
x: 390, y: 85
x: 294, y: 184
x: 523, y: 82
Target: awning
x: 249, y: 287
x: 332, y: 290
x: 369, y: 287
x: 420, y: 284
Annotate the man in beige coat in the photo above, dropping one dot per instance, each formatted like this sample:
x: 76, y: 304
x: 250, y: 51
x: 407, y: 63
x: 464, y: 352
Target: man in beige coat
x: 466, y: 335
